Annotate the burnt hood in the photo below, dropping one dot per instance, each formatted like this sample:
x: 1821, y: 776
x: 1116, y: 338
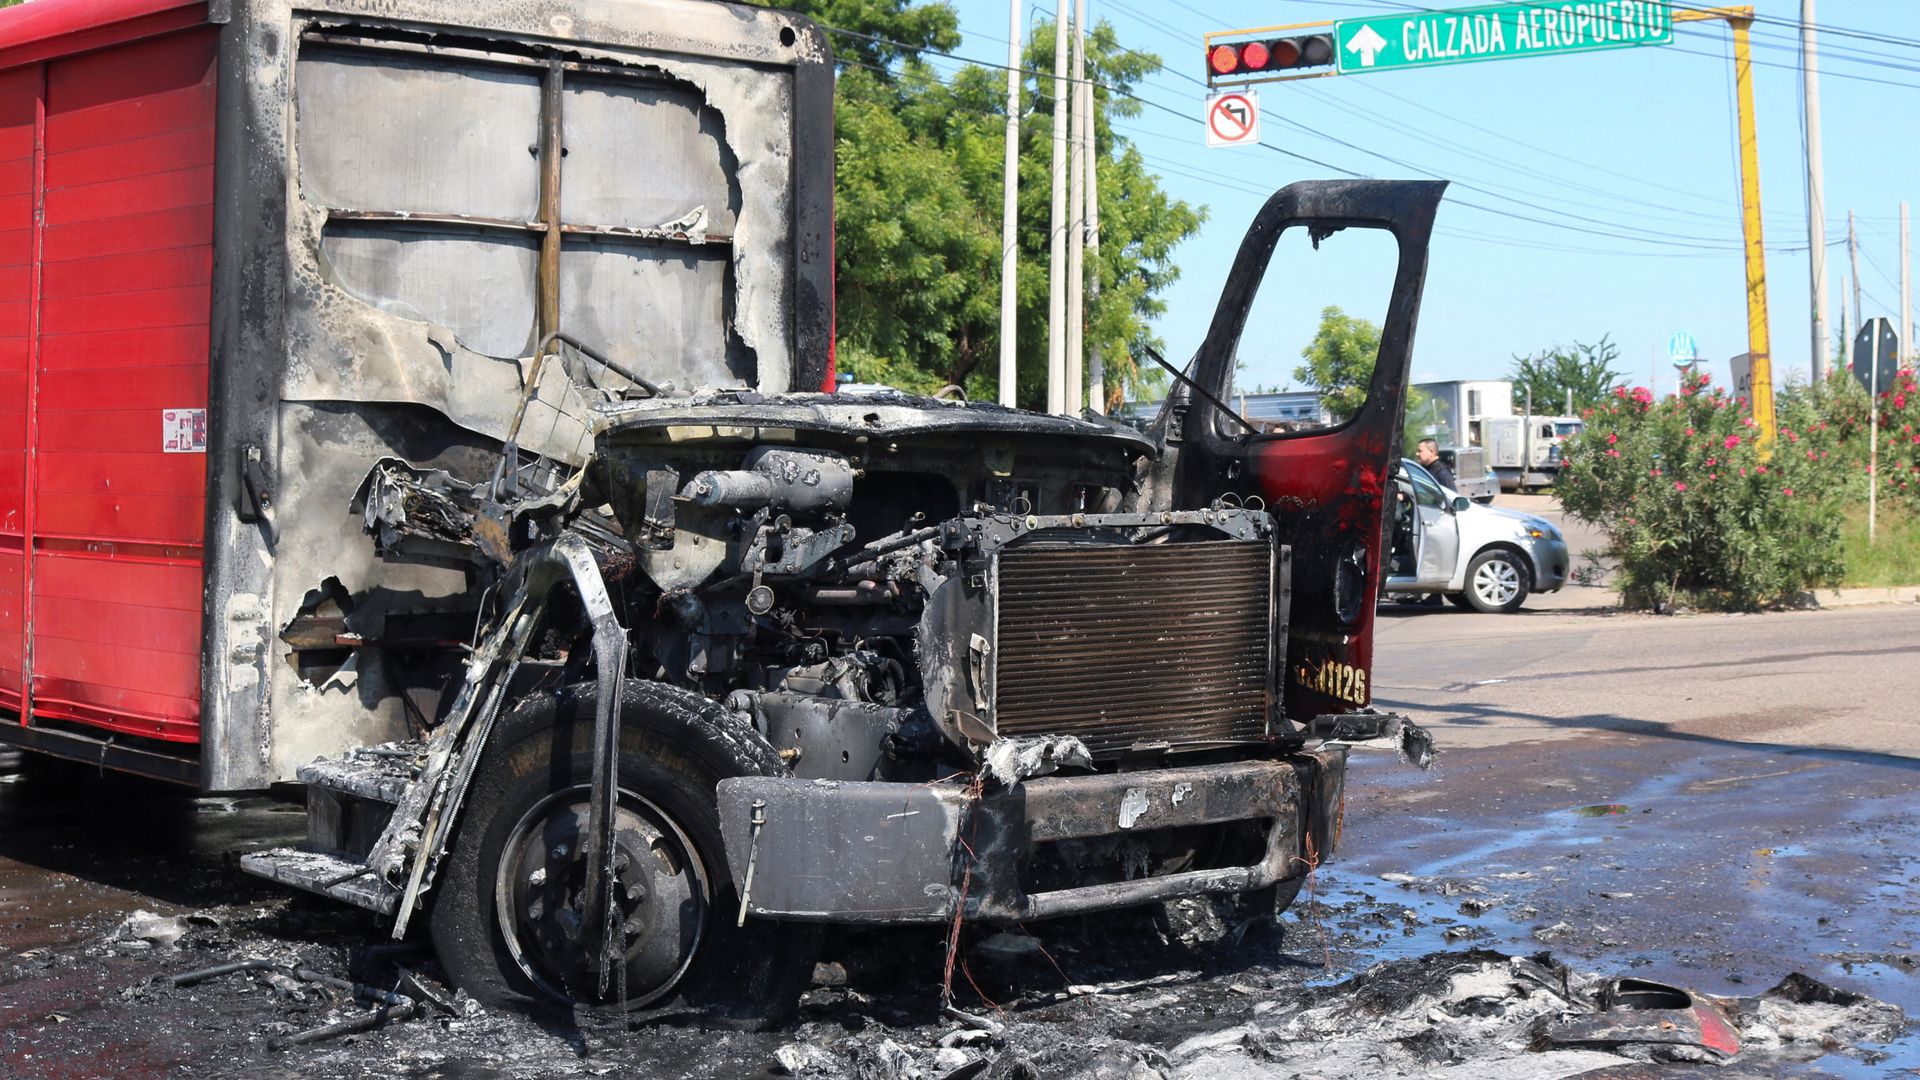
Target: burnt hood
x: 888, y: 415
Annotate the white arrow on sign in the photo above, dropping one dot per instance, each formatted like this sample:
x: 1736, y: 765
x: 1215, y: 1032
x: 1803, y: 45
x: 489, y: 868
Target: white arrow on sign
x: 1367, y: 43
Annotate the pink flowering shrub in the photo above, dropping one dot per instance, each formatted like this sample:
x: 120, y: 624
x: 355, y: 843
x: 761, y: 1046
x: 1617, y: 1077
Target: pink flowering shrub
x: 1694, y: 512
x: 1843, y: 409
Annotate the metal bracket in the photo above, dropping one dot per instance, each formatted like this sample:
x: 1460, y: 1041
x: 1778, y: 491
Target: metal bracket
x: 254, y: 495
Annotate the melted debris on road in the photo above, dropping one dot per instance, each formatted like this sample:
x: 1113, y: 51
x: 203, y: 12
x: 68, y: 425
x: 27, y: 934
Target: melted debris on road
x: 1201, y: 993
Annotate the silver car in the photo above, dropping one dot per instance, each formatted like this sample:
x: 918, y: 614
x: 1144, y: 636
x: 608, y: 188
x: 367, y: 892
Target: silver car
x: 1482, y: 557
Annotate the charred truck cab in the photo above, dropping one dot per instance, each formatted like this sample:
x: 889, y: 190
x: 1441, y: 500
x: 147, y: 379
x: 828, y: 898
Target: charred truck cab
x: 608, y: 645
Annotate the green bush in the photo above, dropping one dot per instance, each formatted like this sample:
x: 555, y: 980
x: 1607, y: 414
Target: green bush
x: 1694, y: 513
x: 1899, y: 438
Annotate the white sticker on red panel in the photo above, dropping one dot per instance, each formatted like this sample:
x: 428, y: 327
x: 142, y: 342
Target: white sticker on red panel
x: 183, y: 431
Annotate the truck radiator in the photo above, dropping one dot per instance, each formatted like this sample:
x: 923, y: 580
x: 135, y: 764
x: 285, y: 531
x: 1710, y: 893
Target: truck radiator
x: 1126, y: 644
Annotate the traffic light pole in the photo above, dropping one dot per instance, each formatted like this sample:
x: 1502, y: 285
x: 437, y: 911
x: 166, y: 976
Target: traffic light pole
x: 1759, y: 344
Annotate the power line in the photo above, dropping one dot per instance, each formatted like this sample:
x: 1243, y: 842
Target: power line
x: 1465, y: 180
x: 1730, y: 249
x: 1647, y: 236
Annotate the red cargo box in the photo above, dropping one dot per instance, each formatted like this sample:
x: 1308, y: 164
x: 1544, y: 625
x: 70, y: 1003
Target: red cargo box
x: 107, y: 117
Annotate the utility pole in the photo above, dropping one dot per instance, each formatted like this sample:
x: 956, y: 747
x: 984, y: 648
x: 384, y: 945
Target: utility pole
x: 1077, y: 223
x: 1057, y: 226
x: 1010, y: 217
x: 1846, y: 330
x: 1853, y: 257
x: 1906, y: 288
x: 1096, y: 368
x: 1816, y: 195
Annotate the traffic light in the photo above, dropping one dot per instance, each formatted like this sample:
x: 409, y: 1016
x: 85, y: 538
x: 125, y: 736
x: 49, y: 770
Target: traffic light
x: 1269, y: 56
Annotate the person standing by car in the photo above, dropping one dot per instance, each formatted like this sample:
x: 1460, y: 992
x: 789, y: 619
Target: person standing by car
x: 1428, y: 454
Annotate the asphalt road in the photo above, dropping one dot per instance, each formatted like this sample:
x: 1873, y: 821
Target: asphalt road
x: 1712, y: 800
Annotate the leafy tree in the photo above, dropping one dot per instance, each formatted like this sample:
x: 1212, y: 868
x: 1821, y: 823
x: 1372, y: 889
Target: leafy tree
x: 1585, y: 371
x: 918, y: 204
x: 1339, y: 361
x: 1339, y: 364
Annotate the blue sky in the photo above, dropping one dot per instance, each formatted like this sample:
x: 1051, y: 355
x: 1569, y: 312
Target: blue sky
x: 1634, y: 142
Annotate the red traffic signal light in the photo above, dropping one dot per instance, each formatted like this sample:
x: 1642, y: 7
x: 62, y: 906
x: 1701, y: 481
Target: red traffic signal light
x: 1274, y: 54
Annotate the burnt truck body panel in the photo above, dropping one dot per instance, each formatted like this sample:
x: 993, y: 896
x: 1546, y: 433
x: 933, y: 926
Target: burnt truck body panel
x: 371, y: 211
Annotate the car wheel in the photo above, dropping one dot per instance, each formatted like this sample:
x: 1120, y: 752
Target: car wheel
x: 1497, y: 581
x: 506, y: 921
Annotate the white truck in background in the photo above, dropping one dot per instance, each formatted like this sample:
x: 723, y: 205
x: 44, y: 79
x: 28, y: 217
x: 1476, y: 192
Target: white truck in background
x: 1521, y: 448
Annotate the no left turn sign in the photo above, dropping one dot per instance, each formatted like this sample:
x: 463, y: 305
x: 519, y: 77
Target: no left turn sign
x: 1233, y: 119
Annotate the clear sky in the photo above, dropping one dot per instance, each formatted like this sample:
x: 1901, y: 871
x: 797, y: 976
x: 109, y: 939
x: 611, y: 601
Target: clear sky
x: 1636, y: 145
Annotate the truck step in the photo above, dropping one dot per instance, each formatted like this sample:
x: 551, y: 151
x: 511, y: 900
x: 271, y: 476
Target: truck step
x: 374, y: 773
x: 351, y: 797
x: 343, y: 879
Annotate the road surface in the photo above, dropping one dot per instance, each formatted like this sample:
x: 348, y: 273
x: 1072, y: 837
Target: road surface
x: 1714, y: 800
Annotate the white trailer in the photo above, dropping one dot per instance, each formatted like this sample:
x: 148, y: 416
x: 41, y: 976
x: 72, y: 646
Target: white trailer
x: 1521, y: 448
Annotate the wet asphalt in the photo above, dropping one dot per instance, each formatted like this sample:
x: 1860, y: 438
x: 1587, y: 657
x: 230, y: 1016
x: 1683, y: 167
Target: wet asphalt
x: 1711, y: 801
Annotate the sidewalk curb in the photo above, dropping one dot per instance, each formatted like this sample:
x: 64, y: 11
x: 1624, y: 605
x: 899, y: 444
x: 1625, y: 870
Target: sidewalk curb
x: 1839, y: 598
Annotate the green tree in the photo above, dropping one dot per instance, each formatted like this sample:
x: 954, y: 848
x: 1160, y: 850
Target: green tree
x: 1339, y: 364
x: 1585, y: 371
x: 918, y: 202
x: 1339, y: 361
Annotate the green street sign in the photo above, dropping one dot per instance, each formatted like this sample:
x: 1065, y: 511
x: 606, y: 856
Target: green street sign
x: 1498, y: 32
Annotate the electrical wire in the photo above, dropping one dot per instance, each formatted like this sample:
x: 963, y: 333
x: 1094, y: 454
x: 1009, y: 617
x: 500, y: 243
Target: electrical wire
x: 1178, y: 169
x: 1633, y: 234
x: 1485, y: 187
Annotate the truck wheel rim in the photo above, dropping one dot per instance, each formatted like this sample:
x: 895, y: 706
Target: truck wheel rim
x: 661, y: 897
x: 1496, y: 582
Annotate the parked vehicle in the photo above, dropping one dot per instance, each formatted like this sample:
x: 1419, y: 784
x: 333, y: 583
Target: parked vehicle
x: 1471, y: 476
x: 1522, y: 450
x: 1481, y: 557
x: 439, y: 415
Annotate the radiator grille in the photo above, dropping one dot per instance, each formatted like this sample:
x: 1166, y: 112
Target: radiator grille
x: 1122, y: 644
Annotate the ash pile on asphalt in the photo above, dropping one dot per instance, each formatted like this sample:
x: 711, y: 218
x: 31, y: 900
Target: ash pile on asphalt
x: 1475, y: 1013
x: 1129, y: 997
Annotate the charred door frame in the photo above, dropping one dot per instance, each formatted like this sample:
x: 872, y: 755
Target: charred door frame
x: 1326, y: 487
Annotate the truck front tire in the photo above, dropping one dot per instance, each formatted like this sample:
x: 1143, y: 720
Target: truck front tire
x: 506, y: 922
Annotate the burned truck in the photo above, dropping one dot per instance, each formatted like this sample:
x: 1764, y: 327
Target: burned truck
x: 430, y: 402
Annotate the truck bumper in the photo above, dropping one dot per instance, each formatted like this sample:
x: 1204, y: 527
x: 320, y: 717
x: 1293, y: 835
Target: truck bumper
x: 866, y: 852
